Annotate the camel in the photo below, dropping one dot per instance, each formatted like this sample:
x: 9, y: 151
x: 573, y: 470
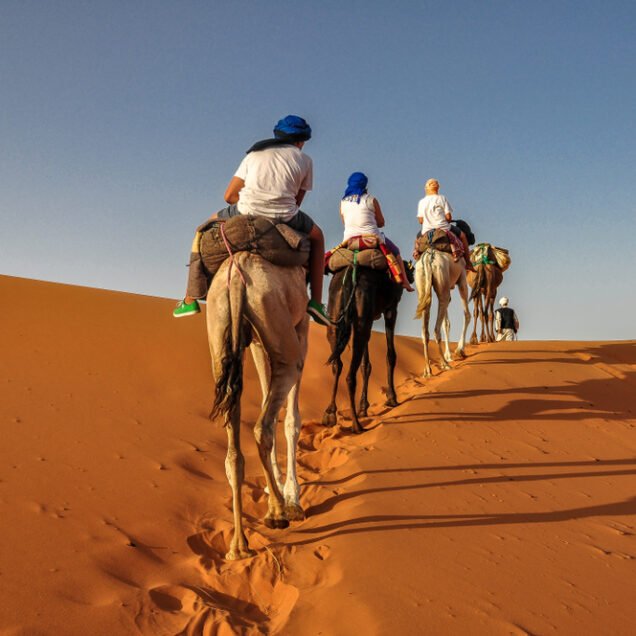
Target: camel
x: 437, y: 270
x: 254, y: 303
x: 484, y: 283
x: 357, y: 297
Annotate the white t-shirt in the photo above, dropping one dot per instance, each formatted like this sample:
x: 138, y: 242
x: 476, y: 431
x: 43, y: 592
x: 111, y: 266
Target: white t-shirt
x: 432, y: 209
x: 273, y: 177
x: 359, y: 218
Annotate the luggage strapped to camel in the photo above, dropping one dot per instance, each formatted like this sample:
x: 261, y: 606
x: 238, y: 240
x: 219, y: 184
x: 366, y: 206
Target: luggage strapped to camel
x: 366, y: 250
x: 217, y: 240
x: 440, y: 240
x: 487, y: 254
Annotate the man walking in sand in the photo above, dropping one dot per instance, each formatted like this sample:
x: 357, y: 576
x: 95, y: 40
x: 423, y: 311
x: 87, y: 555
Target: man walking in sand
x: 506, y: 322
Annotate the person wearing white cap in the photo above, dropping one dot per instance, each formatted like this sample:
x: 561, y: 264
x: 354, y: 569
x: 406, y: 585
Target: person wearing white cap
x: 506, y: 321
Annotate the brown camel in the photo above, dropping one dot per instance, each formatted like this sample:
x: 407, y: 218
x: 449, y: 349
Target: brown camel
x: 263, y: 306
x: 484, y: 283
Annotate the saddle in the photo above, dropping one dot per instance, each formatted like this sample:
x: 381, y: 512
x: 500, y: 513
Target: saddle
x: 362, y: 250
x: 273, y: 240
x: 440, y: 240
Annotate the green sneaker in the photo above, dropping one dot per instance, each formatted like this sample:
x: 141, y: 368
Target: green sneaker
x: 318, y: 313
x: 184, y: 309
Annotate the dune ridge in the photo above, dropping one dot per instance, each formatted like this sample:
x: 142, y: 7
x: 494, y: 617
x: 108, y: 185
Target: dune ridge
x: 496, y: 499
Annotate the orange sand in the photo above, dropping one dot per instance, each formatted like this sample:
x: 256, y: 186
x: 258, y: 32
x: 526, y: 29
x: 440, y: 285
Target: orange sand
x: 498, y: 498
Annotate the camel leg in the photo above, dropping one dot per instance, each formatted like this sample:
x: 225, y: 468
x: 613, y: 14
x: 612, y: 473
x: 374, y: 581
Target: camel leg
x: 473, y: 338
x: 425, y: 340
x: 363, y: 409
x: 283, y: 377
x: 483, y: 302
x: 235, y: 471
x: 291, y: 490
x: 361, y: 335
x: 489, y: 319
x: 330, y: 416
x: 390, y: 317
x: 463, y: 294
x: 446, y: 338
x: 443, y: 298
x: 423, y: 282
x: 262, y: 369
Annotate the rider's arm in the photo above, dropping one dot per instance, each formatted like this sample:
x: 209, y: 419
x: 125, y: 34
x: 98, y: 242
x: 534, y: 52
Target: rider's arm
x: 379, y: 218
x: 234, y: 187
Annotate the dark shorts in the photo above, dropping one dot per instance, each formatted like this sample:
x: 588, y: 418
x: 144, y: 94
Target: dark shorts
x: 300, y: 222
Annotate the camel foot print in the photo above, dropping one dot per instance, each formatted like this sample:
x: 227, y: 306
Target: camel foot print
x: 294, y: 512
x: 235, y: 554
x: 329, y: 419
x: 276, y: 524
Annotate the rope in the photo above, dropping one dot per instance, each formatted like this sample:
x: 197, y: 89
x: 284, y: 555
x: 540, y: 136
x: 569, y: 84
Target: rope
x: 231, y: 257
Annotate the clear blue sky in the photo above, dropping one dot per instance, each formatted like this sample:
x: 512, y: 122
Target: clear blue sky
x: 122, y: 122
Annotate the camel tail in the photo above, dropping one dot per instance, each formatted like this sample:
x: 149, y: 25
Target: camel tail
x: 424, y: 277
x: 229, y: 384
x: 345, y: 320
x: 479, y: 282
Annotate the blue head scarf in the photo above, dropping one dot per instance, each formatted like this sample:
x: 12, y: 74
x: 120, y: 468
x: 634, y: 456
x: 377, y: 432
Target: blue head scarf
x: 288, y: 130
x: 356, y: 185
x: 292, y: 128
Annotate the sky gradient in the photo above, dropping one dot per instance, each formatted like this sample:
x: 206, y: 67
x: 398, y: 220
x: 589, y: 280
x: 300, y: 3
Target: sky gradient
x: 121, y: 124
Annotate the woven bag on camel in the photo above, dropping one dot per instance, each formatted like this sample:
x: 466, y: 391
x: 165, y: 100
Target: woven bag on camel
x: 487, y: 254
x: 274, y: 241
x: 360, y: 250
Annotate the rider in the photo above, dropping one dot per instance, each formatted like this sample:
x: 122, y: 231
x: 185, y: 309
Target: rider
x: 361, y: 214
x: 435, y: 212
x: 271, y: 181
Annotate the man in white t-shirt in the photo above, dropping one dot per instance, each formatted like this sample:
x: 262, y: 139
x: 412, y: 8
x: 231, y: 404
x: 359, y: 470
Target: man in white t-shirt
x: 272, y: 181
x: 435, y: 212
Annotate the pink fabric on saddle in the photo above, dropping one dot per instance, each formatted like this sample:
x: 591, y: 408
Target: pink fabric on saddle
x: 457, y: 247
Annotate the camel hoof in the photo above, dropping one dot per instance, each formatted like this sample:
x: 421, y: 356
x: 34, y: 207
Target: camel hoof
x: 474, y: 341
x: 363, y: 413
x: 329, y: 419
x: 294, y: 512
x: 276, y: 524
x: 236, y: 555
x: 460, y: 354
x: 391, y: 402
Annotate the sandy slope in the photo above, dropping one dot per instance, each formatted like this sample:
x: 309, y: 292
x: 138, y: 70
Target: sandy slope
x: 498, y: 498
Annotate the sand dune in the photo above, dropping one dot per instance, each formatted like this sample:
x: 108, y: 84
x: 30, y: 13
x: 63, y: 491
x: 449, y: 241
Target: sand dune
x: 498, y: 498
